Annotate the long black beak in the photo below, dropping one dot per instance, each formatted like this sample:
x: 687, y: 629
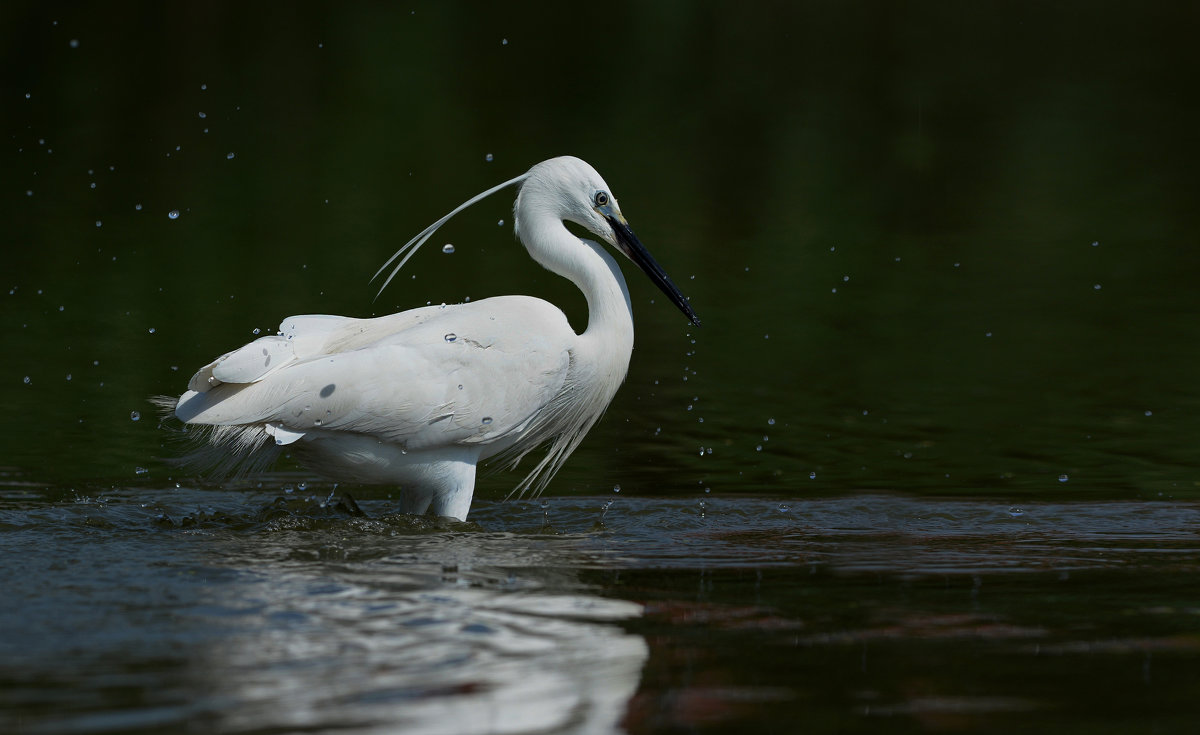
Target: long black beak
x: 629, y: 244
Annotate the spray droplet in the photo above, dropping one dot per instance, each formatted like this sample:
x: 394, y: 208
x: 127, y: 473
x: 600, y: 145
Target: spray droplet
x: 486, y: 420
x: 152, y: 330
x: 135, y: 416
x: 616, y: 488
x: 1063, y: 478
x: 229, y: 156
x: 450, y: 337
x: 173, y: 214
x: 140, y: 470
x: 488, y: 158
x: 447, y: 248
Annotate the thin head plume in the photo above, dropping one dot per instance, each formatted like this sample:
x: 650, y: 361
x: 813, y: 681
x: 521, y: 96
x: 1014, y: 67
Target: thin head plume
x: 411, y: 247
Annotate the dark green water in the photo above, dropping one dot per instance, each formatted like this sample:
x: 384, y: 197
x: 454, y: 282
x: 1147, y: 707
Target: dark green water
x: 931, y: 463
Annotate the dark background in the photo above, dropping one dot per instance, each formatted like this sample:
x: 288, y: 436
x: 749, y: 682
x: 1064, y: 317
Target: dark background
x: 1003, y: 196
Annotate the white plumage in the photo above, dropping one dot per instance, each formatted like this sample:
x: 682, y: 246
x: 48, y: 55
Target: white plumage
x: 419, y: 398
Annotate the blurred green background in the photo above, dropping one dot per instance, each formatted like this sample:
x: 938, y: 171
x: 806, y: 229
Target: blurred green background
x: 939, y: 248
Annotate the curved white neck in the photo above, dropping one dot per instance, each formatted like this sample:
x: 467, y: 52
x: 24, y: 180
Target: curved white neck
x: 590, y: 267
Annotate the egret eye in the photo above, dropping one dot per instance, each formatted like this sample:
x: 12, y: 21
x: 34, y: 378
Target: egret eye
x: 601, y: 198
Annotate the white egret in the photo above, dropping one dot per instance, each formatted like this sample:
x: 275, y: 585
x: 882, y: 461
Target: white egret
x: 419, y: 398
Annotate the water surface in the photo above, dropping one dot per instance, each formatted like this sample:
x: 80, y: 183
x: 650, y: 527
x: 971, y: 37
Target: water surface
x: 280, y: 610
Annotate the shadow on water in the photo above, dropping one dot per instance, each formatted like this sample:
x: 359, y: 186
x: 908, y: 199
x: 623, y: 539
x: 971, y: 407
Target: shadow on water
x: 254, y: 611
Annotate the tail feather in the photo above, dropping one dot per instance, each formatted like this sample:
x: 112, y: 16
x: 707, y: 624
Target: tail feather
x: 221, y: 451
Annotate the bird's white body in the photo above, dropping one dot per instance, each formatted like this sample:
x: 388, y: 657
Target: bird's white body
x: 419, y: 398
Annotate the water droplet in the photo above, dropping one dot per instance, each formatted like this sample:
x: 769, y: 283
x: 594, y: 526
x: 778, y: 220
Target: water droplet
x: 988, y: 334
x: 202, y: 116
x: 784, y: 508
x: 812, y: 475
x: 1063, y: 478
x: 1096, y: 244
x: 758, y: 448
x: 500, y: 223
x: 74, y: 43
x: 1016, y: 512
x: 29, y: 192
x: 707, y: 490
x: 140, y: 470
x: 450, y: 337
x: 486, y: 420
x: 488, y: 158
x: 27, y: 381
x: 302, y: 486
x: 137, y: 207
x: 229, y: 156
x: 1149, y: 413
x: 68, y: 376
x: 503, y: 41
x: 153, y: 330
x: 256, y: 330
x: 616, y: 488
x: 447, y: 248
x: 770, y: 422
x: 99, y: 223
x: 173, y: 214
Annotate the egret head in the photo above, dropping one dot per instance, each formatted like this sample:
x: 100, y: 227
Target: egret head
x: 573, y: 191
x: 557, y: 190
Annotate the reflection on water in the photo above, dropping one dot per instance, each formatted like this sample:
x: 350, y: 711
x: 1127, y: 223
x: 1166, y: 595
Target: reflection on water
x: 136, y: 611
x: 373, y: 647
x: 248, y: 625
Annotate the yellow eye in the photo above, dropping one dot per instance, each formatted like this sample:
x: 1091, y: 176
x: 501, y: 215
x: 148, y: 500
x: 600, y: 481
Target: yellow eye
x: 601, y: 198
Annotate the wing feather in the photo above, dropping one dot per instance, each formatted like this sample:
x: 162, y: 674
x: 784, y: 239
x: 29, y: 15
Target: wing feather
x: 471, y: 373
